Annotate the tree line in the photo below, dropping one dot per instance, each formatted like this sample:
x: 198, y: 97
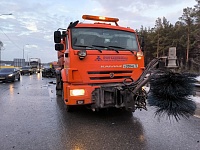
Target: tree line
x: 184, y: 35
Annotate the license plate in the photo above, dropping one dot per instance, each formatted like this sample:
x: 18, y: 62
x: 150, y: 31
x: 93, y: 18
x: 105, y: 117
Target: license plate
x: 130, y: 66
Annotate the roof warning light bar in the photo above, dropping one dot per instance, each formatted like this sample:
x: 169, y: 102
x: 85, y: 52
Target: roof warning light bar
x: 100, y: 18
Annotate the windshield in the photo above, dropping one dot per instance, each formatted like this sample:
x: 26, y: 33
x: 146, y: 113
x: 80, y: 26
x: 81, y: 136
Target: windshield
x: 46, y: 67
x: 6, y: 70
x: 88, y: 38
x: 34, y: 63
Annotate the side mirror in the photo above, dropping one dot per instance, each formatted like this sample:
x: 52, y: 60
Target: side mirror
x: 57, y: 37
x: 142, y: 43
x: 59, y: 47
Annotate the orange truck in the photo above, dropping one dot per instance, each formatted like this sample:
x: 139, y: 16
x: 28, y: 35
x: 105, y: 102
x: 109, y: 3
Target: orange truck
x: 97, y: 60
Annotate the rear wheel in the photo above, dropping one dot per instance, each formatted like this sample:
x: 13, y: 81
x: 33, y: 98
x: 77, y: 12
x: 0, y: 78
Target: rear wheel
x: 58, y: 92
x: 59, y: 86
x: 62, y: 94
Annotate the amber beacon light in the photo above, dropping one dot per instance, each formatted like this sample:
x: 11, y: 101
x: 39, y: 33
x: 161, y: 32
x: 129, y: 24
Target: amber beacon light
x: 100, y: 18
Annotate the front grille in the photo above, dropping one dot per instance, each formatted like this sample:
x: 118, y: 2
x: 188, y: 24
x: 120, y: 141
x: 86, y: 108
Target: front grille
x: 109, y: 75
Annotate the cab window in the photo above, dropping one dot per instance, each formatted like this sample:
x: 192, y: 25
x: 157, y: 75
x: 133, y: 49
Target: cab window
x: 105, y: 38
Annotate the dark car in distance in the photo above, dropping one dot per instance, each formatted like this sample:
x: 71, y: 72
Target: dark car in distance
x: 26, y: 70
x: 9, y: 74
x: 48, y: 71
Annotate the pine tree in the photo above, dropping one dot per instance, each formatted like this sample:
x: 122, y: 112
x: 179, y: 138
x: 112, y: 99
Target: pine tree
x: 188, y: 19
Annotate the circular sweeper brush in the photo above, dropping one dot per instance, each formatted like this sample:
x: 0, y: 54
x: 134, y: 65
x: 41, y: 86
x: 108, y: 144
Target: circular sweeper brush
x: 170, y: 94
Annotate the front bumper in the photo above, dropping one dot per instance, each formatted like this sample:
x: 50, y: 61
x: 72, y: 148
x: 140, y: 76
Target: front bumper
x: 25, y: 72
x: 104, y: 96
x: 7, y: 78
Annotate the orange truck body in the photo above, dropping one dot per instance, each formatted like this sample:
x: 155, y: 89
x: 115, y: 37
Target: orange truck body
x: 94, y: 80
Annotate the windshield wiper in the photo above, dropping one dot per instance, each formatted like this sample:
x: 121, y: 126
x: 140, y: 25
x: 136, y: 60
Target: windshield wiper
x: 121, y: 48
x: 92, y: 47
x: 107, y: 47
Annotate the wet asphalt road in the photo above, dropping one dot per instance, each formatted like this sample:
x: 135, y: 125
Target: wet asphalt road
x: 33, y: 118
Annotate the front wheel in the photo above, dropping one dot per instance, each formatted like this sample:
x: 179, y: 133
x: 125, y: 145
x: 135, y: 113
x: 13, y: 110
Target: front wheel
x: 69, y: 108
x: 59, y: 92
x: 59, y: 87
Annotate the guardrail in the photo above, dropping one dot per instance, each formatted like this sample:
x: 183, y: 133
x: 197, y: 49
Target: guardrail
x: 6, y: 66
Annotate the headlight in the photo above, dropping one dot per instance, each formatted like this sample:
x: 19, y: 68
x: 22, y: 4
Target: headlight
x: 77, y: 92
x: 10, y: 75
x: 29, y: 70
x: 82, y: 54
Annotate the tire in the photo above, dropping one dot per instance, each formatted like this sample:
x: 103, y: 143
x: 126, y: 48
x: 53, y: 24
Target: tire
x: 59, y: 92
x: 59, y: 87
x: 69, y: 108
x: 18, y: 78
x: 62, y: 94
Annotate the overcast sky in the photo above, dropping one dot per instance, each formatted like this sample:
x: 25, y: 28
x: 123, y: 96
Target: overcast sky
x: 33, y: 21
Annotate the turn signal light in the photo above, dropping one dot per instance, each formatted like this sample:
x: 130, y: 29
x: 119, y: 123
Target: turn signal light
x: 139, y: 55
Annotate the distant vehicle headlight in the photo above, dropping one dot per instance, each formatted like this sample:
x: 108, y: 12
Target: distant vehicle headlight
x: 10, y: 75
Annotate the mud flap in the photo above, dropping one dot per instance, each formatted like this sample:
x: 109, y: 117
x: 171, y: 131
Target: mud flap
x: 129, y: 101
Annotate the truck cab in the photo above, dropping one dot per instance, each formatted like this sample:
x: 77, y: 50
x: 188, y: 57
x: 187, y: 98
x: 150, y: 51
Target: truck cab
x: 35, y: 63
x: 96, y: 59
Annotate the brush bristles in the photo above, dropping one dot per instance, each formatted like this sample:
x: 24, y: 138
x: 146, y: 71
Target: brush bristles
x: 169, y: 93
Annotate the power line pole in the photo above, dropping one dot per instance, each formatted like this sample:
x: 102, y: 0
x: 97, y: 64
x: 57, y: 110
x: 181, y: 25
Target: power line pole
x: 1, y: 45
